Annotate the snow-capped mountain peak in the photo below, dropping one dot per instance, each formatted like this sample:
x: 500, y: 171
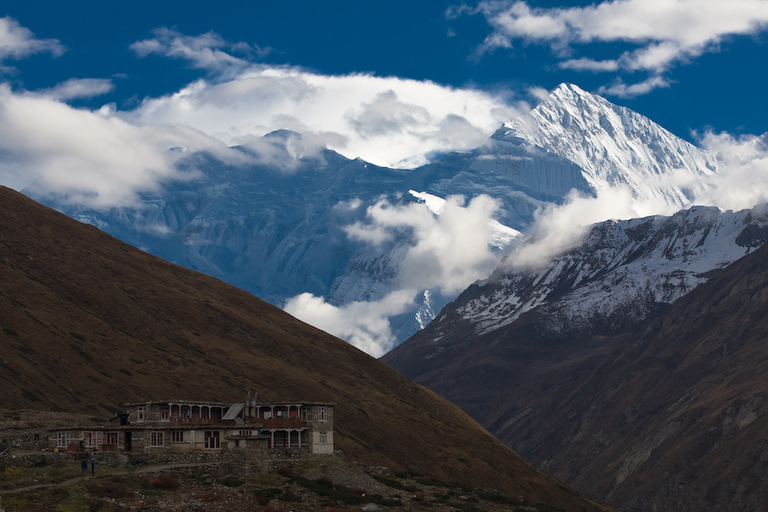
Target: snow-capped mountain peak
x: 614, y: 146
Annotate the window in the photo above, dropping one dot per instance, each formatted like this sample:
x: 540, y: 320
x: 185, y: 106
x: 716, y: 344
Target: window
x: 164, y: 413
x: 212, y: 440
x: 88, y: 439
x: 62, y: 439
x: 112, y: 438
x: 156, y: 439
x: 322, y: 414
x: 246, y: 433
x: 323, y: 438
x: 140, y: 413
x: 177, y: 436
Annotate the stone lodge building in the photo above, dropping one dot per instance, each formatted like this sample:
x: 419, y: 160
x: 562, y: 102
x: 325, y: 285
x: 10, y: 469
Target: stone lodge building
x: 175, y: 426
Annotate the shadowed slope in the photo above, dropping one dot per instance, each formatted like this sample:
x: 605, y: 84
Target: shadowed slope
x: 88, y: 322
x: 673, y: 416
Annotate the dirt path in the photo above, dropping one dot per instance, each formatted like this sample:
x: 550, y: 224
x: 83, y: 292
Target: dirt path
x: 71, y: 481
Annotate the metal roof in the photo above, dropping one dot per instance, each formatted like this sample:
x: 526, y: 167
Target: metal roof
x: 233, y: 412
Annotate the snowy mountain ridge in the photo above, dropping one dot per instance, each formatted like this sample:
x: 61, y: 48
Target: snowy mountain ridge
x: 619, y: 274
x: 277, y: 226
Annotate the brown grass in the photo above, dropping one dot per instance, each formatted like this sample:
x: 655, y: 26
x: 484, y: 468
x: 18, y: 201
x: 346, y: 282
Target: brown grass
x: 96, y: 323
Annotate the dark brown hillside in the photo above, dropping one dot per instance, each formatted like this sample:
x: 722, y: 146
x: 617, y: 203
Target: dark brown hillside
x: 673, y: 417
x: 87, y: 322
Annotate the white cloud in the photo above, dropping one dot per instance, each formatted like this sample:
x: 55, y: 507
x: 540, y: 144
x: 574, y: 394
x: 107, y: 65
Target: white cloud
x: 622, y: 90
x: 363, y: 324
x: 557, y: 228
x: 587, y: 64
x: 17, y: 42
x: 83, y: 156
x: 665, y: 32
x: 448, y: 252
x: 386, y: 121
x: 206, y: 51
x: 742, y: 179
x: 76, y: 88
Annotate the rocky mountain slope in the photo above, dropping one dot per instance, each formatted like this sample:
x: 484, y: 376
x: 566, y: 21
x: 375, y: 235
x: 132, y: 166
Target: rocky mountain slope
x: 621, y: 273
x: 274, y: 223
x: 632, y: 366
x: 88, y: 322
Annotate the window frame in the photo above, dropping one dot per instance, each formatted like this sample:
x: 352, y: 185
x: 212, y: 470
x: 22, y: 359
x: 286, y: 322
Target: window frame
x: 62, y: 439
x: 156, y: 439
x: 211, y: 438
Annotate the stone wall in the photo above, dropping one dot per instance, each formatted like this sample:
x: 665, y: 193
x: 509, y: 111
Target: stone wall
x: 29, y: 438
x: 232, y: 461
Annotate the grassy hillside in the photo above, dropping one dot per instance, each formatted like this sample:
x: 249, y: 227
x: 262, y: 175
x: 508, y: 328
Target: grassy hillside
x: 88, y: 322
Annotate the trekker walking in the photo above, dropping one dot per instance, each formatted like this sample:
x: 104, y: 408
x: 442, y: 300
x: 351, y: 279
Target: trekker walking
x: 83, y: 467
x: 93, y: 466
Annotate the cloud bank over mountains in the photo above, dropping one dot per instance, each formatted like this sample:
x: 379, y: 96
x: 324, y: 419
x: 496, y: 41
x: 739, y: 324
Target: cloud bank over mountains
x: 387, y: 121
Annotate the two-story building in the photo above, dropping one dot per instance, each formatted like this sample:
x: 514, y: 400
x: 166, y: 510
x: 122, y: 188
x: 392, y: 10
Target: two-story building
x: 165, y: 426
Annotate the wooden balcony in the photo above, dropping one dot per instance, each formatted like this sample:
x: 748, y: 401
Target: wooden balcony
x: 276, y: 423
x: 193, y: 421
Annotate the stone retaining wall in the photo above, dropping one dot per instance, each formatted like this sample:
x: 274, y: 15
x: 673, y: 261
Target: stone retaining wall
x: 29, y: 438
x: 236, y: 461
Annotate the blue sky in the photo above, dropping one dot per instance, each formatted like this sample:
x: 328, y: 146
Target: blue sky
x: 394, y: 82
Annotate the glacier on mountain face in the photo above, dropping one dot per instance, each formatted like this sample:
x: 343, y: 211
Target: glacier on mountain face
x: 276, y: 226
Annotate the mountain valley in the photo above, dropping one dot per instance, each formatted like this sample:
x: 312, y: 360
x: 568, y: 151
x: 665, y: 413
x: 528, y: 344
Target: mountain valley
x: 88, y: 322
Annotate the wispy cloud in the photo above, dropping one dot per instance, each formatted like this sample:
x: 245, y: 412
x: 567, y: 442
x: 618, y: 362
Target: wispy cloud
x: 17, y: 42
x: 78, y: 88
x: 665, y: 33
x: 207, y: 51
x: 557, y: 228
